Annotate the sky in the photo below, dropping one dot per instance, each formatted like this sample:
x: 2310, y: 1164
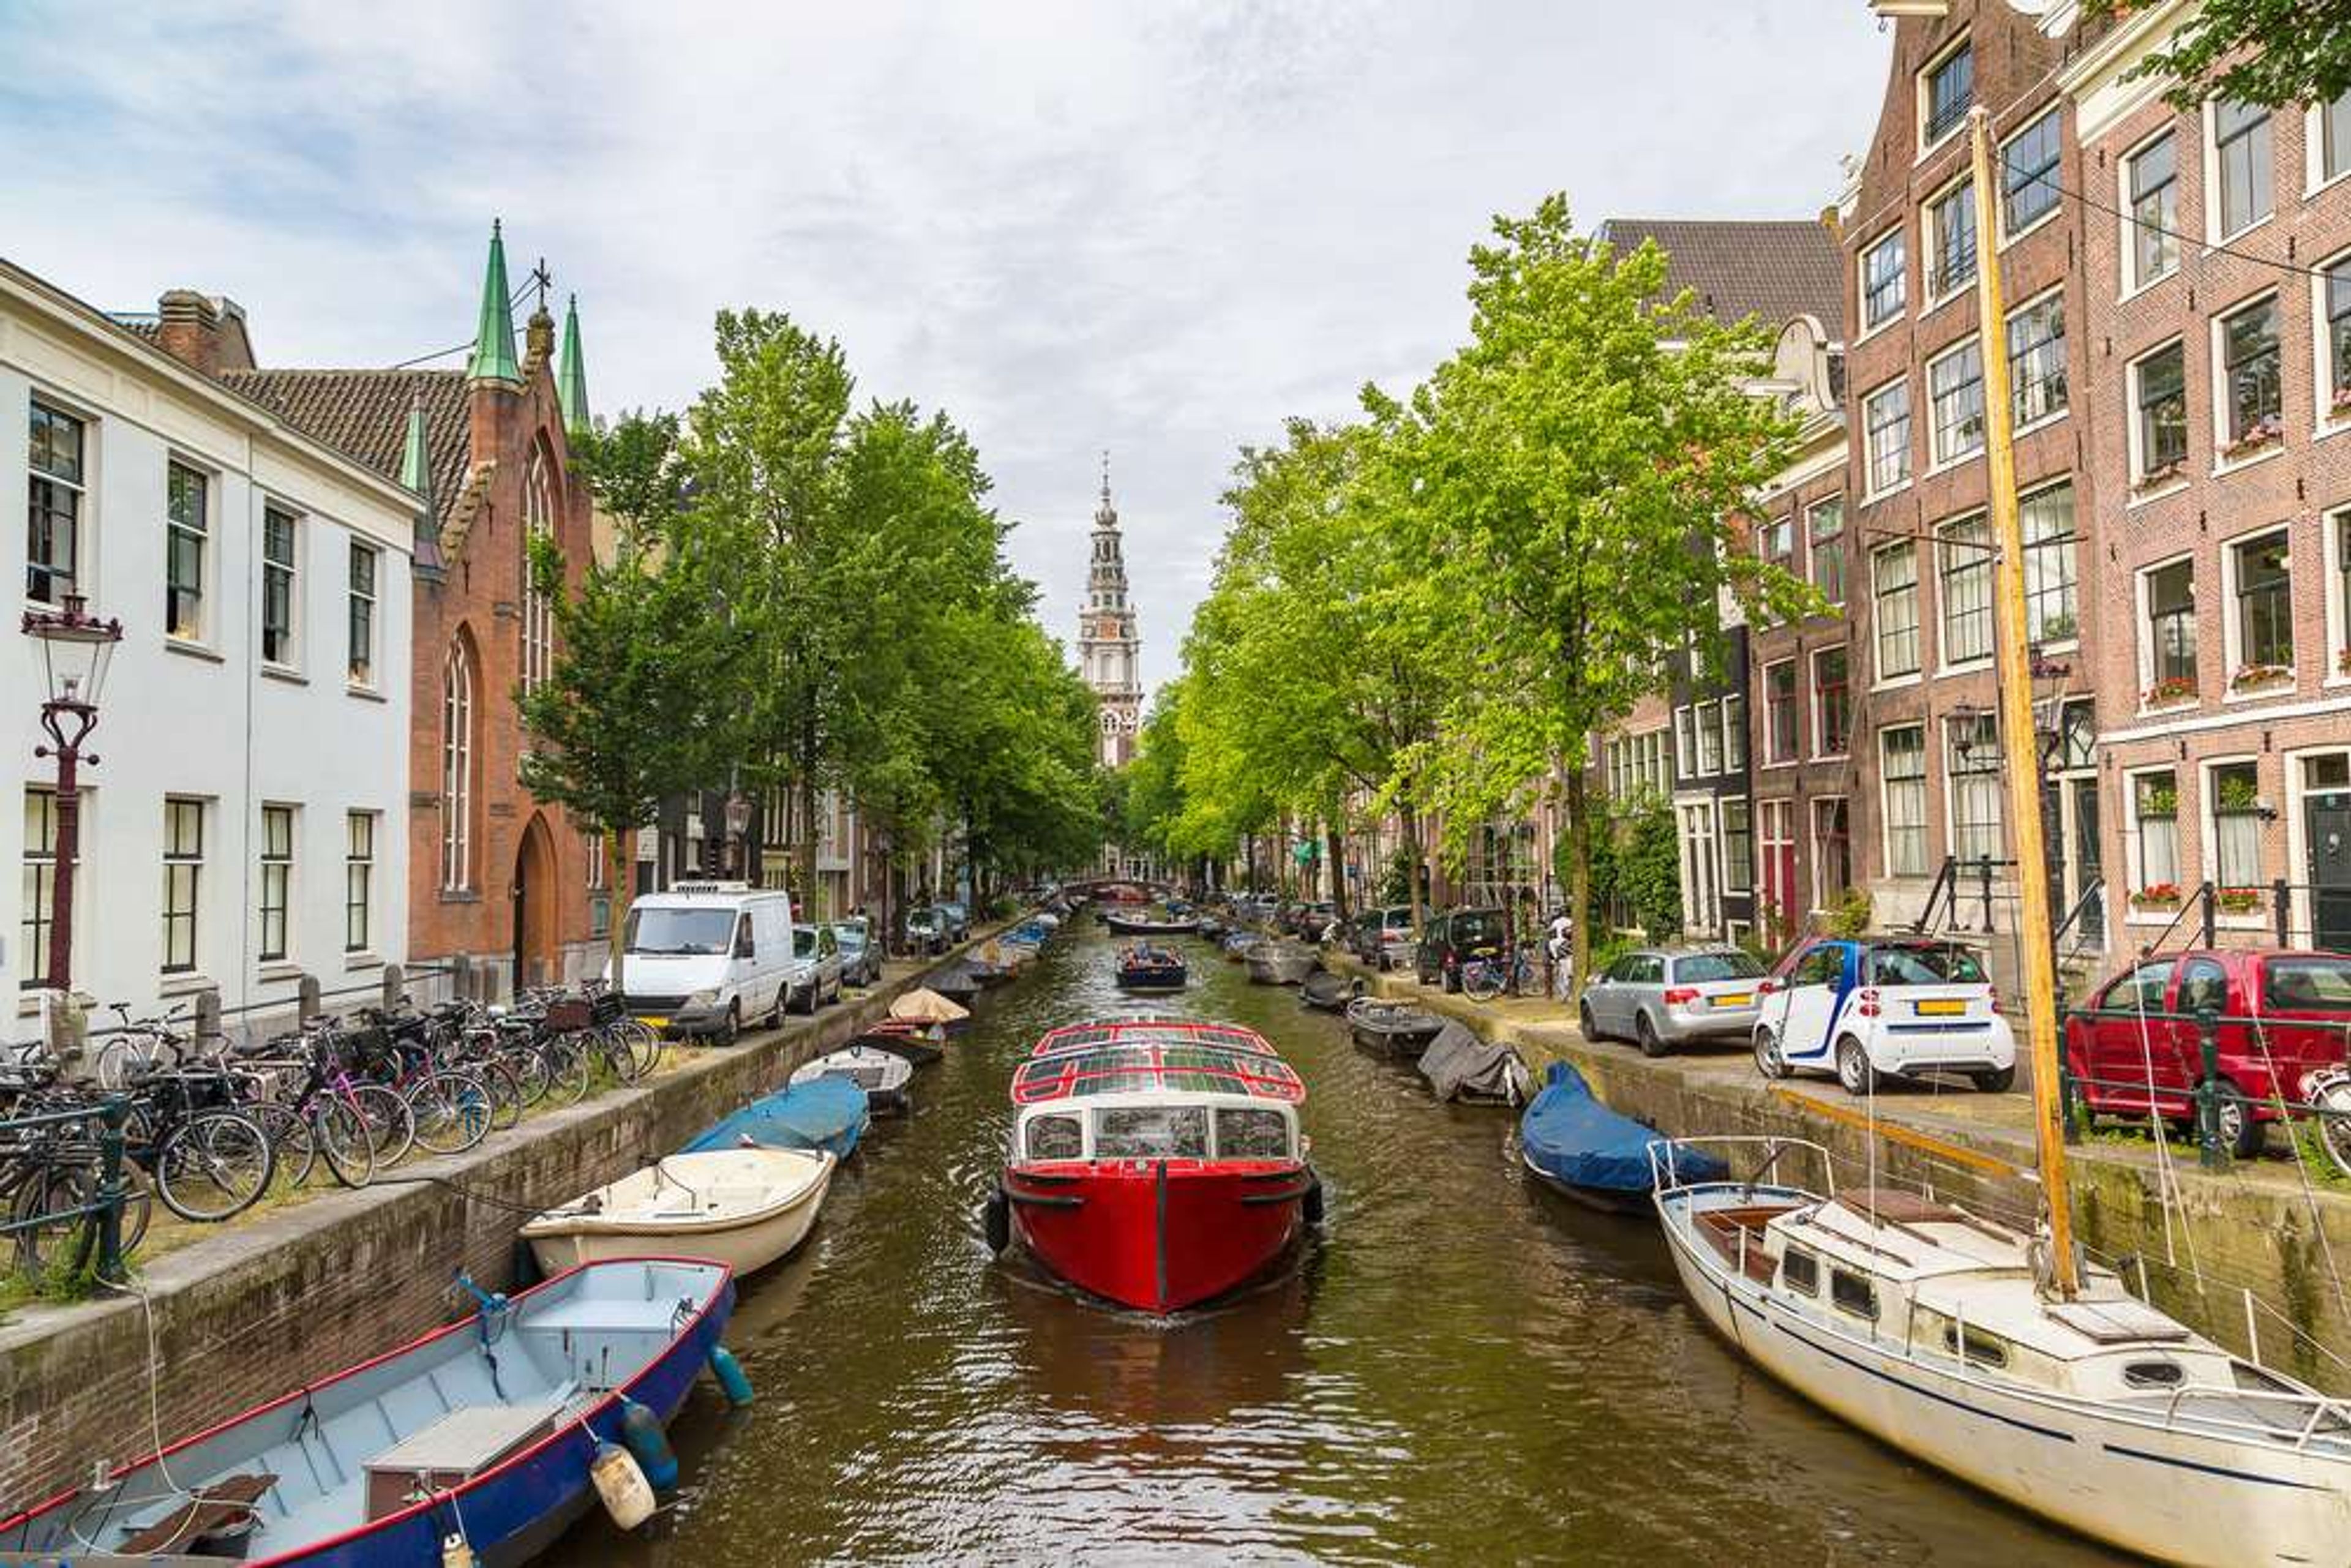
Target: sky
x: 1155, y: 229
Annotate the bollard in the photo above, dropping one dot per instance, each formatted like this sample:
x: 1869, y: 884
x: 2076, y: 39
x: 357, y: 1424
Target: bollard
x: 110, y: 1189
x: 2069, y: 1103
x: 307, y: 1001
x: 461, y: 979
x: 2211, y: 1154
x: 395, y: 984
x: 207, y: 1020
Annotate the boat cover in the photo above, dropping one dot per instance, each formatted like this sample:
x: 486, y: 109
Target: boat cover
x: 830, y: 1114
x: 1325, y: 989
x: 1457, y: 1065
x: 927, y: 1006
x: 1571, y: 1136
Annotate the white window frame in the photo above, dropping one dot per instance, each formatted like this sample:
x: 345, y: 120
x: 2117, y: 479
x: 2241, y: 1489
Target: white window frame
x: 2327, y: 419
x: 459, y: 706
x: 538, y: 610
x: 2135, y: 857
x: 1879, y: 677
x: 2035, y: 549
x: 373, y: 598
x: 1959, y: 197
x: 2064, y: 367
x: 1782, y: 810
x: 1706, y: 720
x: 85, y: 488
x: 2212, y: 176
x: 2143, y: 632
x: 270, y: 865
x: 361, y: 866
x: 175, y: 858
x: 1921, y: 93
x: 1953, y: 557
x: 2209, y: 824
x: 2218, y: 370
x: 2233, y: 619
x: 294, y: 570
x: 1938, y: 459
x: 2316, y: 177
x: 1995, y: 789
x: 207, y: 533
x: 2335, y: 558
x: 2054, y: 109
x: 1873, y: 490
x: 1726, y: 865
x: 2134, y: 371
x: 1886, y: 782
x: 1686, y: 741
x: 1813, y: 701
x: 1898, y: 236
x: 2133, y: 281
x: 1734, y: 732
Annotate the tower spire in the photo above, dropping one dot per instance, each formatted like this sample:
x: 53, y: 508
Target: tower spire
x: 571, y: 378
x: 1106, y: 515
x: 494, y: 338
x: 417, y: 473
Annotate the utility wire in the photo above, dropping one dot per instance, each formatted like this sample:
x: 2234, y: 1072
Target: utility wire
x: 512, y: 300
x: 2185, y: 240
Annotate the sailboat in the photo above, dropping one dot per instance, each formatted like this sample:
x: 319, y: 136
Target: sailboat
x: 1999, y: 1356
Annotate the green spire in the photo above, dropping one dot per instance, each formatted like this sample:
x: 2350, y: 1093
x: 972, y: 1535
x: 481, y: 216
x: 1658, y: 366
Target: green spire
x: 415, y: 458
x: 494, y: 341
x: 571, y: 381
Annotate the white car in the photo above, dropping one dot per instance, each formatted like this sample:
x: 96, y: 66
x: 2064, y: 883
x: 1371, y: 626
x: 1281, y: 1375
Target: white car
x: 1899, y: 1007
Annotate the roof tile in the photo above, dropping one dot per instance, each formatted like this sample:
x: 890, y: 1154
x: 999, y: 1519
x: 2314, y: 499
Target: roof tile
x: 1771, y: 269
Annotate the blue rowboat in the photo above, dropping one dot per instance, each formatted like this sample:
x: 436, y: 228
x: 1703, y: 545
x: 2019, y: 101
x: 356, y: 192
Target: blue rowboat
x: 1594, y: 1155
x: 483, y: 1430
x: 829, y: 1113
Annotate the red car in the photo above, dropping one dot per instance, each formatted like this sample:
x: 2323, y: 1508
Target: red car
x: 2285, y: 1015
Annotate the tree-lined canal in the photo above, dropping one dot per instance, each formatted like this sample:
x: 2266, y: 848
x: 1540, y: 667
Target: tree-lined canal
x: 1467, y: 1369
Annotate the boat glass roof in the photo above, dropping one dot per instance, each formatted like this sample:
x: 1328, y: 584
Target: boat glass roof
x: 1130, y: 1067
x: 1153, y: 1032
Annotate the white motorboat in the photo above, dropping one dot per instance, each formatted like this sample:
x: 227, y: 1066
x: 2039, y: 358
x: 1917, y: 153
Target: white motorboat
x: 746, y: 1207
x: 884, y: 1075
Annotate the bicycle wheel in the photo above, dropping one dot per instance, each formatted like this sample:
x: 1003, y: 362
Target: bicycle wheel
x: 391, y: 1131
x: 47, y: 1205
x: 505, y: 1092
x: 289, y: 1137
x: 567, y: 1070
x: 214, y: 1165
x: 1481, y: 982
x: 340, y: 1137
x: 528, y: 1064
x: 643, y: 1042
x: 450, y: 1111
x: 125, y: 1057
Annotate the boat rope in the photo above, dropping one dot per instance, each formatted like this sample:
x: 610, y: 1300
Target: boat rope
x: 2167, y: 1178
x: 2301, y: 1165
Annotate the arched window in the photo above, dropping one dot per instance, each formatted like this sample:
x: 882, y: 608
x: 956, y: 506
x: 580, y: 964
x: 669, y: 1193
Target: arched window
x: 458, y: 769
x: 537, y: 614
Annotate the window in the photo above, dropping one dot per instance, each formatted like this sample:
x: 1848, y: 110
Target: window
x: 41, y: 884
x: 1708, y: 716
x: 1981, y: 1349
x: 1780, y: 711
x: 1779, y: 848
x: 2151, y: 184
x: 1975, y: 784
x: 1951, y: 240
x: 1800, y: 1272
x: 537, y: 613
x: 2171, y: 630
x: 1884, y: 281
x: 1894, y: 583
x: 361, y: 617
x: 1775, y: 541
x: 1949, y: 88
x: 2249, y: 409
x: 1056, y: 1138
x: 457, y: 770
x: 2155, y: 807
x: 54, y: 505
x: 2036, y: 359
x: 359, y: 881
x: 2334, y: 138
x: 2241, y: 152
x: 2028, y: 177
x: 183, y: 865
x: 1831, y: 703
x: 1954, y: 397
x: 2236, y: 799
x: 1849, y: 1292
x: 277, y: 602
x: 1885, y: 421
x: 1738, y: 848
x: 2342, y: 652
x: 1824, y: 558
x: 2048, y: 520
x: 2159, y: 391
x: 1251, y: 1134
x: 1152, y: 1132
x: 2336, y: 336
x: 1966, y: 550
x: 1684, y: 742
x: 187, y: 522
x: 1902, y: 772
x: 2265, y: 588
x: 276, y: 877
x: 1832, y: 851
x: 591, y: 851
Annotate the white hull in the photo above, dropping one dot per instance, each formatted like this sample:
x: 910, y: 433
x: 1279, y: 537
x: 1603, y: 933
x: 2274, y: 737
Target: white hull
x: 2166, y: 1492
x: 745, y: 1208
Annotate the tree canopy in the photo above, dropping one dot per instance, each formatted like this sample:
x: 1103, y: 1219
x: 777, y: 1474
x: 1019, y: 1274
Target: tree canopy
x: 2273, y: 53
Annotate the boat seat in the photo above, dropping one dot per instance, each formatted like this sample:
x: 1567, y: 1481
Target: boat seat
x: 1724, y: 1227
x: 1902, y: 1207
x: 210, y: 1509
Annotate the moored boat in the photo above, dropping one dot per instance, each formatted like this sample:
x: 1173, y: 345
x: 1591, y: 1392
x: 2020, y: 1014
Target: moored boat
x: 1156, y: 1163
x: 1391, y: 1028
x: 1329, y: 992
x: 919, y: 1041
x: 927, y: 1008
x: 883, y: 1075
x: 1282, y: 963
x: 1579, y: 1146
x: 1148, y: 967
x: 1150, y: 926
x: 500, y: 1415
x: 745, y: 1208
x: 830, y: 1114
x: 1461, y: 1067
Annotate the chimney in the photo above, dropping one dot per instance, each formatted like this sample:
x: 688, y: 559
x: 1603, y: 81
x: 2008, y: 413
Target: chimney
x: 205, y: 334
x: 539, y: 338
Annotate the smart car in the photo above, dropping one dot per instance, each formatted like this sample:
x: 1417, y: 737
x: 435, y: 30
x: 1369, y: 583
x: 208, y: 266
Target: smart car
x: 1884, y: 1007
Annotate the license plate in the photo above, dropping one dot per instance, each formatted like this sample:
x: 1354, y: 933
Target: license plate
x: 654, y: 1022
x: 1739, y: 1000
x: 1939, y: 1006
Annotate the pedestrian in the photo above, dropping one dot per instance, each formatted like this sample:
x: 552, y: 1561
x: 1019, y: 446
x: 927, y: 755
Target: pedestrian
x: 1559, y: 946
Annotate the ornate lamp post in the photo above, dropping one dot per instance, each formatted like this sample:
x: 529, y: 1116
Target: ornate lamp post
x: 76, y: 648
x: 738, y: 825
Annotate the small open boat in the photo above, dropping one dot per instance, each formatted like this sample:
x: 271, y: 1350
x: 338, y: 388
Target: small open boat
x: 1282, y: 963
x: 882, y: 1074
x: 746, y: 1207
x: 928, y: 1008
x: 483, y: 1430
x: 1156, y: 1162
x: 1145, y: 967
x: 1391, y: 1028
x: 919, y: 1042
x: 1238, y: 945
x: 958, y: 982
x: 1327, y: 991
x: 1151, y: 925
x: 830, y: 1114
x: 1594, y: 1155
x: 1462, y: 1068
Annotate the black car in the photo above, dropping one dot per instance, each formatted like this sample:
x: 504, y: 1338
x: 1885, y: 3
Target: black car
x: 1453, y: 938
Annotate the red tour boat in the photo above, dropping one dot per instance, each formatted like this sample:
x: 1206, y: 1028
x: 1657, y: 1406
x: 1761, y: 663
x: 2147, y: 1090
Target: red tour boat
x: 1156, y: 1162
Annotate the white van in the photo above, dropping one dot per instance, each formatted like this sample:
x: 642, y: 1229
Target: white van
x: 708, y: 957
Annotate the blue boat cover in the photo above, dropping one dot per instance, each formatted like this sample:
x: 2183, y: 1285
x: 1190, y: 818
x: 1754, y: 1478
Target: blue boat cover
x: 829, y: 1113
x: 1571, y: 1136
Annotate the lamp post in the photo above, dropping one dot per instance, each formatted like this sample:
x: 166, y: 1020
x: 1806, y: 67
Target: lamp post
x: 882, y: 845
x: 737, y: 816
x: 76, y: 648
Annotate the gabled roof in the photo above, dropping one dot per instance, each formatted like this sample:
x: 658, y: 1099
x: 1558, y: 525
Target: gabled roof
x: 1768, y: 269
x: 365, y: 413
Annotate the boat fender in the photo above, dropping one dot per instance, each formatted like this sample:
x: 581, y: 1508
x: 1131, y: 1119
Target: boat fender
x: 455, y: 1553
x: 640, y: 1429
x: 995, y: 1219
x: 622, y: 1486
x: 1309, y: 1208
x: 733, y: 1381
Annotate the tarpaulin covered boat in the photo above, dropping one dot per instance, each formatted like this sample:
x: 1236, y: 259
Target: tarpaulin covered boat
x: 1589, y: 1152
x: 830, y: 1114
x: 1460, y: 1066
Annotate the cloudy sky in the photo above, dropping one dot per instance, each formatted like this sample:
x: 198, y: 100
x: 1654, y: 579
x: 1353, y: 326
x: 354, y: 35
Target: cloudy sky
x: 1155, y: 228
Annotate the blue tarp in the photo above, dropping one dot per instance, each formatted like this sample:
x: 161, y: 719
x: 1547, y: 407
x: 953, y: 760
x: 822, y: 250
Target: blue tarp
x: 830, y: 1114
x: 1573, y: 1137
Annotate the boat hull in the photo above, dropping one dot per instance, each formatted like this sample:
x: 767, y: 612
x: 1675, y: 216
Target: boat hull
x: 1122, y: 925
x: 746, y: 1245
x: 1160, y: 1236
x: 1155, y: 979
x: 2171, y: 1494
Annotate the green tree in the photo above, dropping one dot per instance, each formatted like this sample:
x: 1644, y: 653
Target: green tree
x: 2274, y: 53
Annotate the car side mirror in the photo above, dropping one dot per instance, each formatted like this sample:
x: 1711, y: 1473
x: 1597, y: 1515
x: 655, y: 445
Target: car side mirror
x: 1768, y: 988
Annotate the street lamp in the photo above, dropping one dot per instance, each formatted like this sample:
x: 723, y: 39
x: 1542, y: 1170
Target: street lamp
x: 737, y: 818
x: 76, y: 648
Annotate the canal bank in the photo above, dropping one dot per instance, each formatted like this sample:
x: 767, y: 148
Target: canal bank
x: 2264, y: 1225
x: 287, y: 1296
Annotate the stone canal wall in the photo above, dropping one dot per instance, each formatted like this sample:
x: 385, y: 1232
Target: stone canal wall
x: 2259, y: 1226
x: 281, y: 1298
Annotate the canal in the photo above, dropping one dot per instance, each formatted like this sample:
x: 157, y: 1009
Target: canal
x: 1467, y: 1369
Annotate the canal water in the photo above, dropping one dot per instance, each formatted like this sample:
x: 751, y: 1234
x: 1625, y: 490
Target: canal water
x: 1466, y: 1369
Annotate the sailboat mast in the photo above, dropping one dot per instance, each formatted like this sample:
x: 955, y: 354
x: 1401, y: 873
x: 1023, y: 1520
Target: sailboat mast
x: 2019, y: 757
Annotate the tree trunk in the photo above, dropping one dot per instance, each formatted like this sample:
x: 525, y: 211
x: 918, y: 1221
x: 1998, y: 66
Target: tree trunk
x: 804, y: 896
x: 620, y: 873
x: 1579, y: 876
x: 1412, y: 865
x: 1335, y: 848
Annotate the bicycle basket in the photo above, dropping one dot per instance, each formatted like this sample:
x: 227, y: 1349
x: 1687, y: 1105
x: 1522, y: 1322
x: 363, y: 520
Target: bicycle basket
x: 607, y: 1008
x: 570, y: 1013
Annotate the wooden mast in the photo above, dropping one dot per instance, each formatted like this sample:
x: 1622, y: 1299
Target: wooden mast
x: 2020, y: 757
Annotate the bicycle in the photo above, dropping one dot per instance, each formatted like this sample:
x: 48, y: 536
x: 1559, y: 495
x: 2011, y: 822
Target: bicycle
x: 1483, y: 979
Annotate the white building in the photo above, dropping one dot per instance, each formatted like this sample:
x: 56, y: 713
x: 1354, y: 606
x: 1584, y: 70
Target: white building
x: 247, y: 823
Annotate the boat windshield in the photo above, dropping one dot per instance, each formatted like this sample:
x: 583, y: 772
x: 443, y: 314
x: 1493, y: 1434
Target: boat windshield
x: 1152, y: 1132
x: 657, y: 930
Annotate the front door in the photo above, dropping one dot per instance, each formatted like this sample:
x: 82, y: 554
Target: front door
x: 1701, y: 889
x: 2081, y: 867
x: 534, y: 906
x: 2326, y: 819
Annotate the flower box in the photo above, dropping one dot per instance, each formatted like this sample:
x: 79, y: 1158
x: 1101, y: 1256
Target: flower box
x: 2162, y: 895
x: 2261, y: 678
x: 2342, y: 404
x: 2170, y: 689
x: 2240, y: 900
x: 2261, y: 434
x: 2343, y: 662
x: 2154, y: 479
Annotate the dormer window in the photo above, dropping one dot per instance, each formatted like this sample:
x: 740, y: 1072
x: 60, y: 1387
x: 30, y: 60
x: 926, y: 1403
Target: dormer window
x: 1946, y: 89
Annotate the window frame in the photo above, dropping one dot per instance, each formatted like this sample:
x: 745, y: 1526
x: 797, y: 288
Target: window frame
x: 2050, y: 175
x: 2238, y: 612
x: 1973, y: 773
x: 2065, y: 545
x: 1874, y: 487
x: 2330, y: 327
x: 75, y: 487
x: 273, y: 863
x: 2019, y: 380
x: 1941, y: 433
x: 2260, y: 163
x: 458, y: 703
x: 1815, y: 554
x: 2147, y: 479
x: 2154, y: 658
x: 2209, y: 772
x: 2167, y: 197
x: 2334, y: 550
x: 175, y: 529
x: 538, y: 654
x: 286, y: 573
x: 361, y: 622
x: 178, y: 858
x: 1820, y: 706
x: 361, y: 830
x: 1955, y: 202
x: 2322, y: 124
x: 1735, y: 852
x: 37, y: 877
x: 1929, y: 137
x: 2249, y: 444
x: 1881, y: 672
x: 1963, y: 561
x: 1777, y: 704
x: 1870, y: 290
x: 2138, y: 817
x: 1896, y: 863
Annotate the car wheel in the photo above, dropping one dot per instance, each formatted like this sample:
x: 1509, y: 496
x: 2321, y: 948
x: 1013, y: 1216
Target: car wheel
x: 2240, y: 1132
x: 733, y: 1027
x: 1768, y: 1059
x: 1853, y: 1067
x: 1590, y: 1025
x: 1994, y: 1080
x: 1645, y: 1035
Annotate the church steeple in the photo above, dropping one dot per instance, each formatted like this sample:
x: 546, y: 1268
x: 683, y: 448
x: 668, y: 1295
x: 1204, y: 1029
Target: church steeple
x: 494, y: 338
x: 417, y: 473
x: 571, y: 378
x: 1109, y: 651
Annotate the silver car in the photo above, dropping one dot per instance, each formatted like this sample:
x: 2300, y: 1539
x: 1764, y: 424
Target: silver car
x: 1660, y: 997
x: 816, y: 968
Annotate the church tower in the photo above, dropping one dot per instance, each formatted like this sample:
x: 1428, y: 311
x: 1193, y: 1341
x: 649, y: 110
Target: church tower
x: 1108, y: 652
